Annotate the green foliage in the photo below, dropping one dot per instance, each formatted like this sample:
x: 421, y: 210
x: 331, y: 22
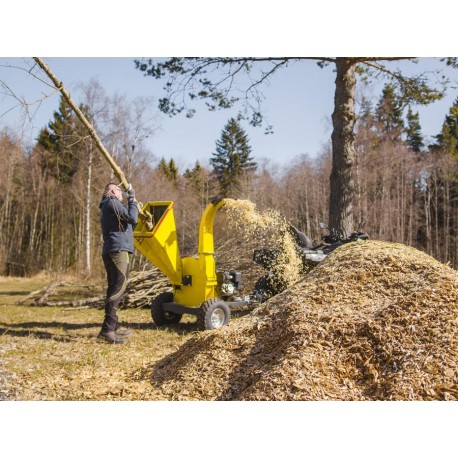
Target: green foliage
x: 222, y: 82
x: 413, y: 131
x: 417, y: 90
x: 389, y: 114
x: 387, y: 121
x: 212, y: 80
x: 232, y: 157
x: 194, y: 175
x: 448, y: 137
x: 198, y: 179
x: 59, y: 142
x: 168, y: 169
x: 451, y: 61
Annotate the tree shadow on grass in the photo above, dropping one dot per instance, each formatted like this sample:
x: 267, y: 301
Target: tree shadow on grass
x: 34, y: 329
x: 28, y: 329
x: 37, y: 334
x: 50, y: 324
x: 14, y: 293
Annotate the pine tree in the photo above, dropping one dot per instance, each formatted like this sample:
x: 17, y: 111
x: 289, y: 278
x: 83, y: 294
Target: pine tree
x: 448, y: 138
x: 198, y: 180
x: 413, y: 131
x: 59, y: 143
x: 389, y: 114
x: 194, y: 176
x: 169, y: 169
x: 232, y: 158
x: 173, y: 170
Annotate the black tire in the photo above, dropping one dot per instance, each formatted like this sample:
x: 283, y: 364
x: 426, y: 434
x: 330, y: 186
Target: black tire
x: 159, y: 316
x: 213, y: 314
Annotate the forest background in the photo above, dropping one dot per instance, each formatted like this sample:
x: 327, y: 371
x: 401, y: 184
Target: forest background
x: 406, y: 182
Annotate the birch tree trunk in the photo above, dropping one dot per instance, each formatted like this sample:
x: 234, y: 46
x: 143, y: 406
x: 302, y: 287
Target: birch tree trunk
x: 427, y: 210
x: 88, y: 212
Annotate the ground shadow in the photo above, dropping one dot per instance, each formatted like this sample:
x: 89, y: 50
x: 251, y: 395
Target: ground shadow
x: 14, y: 293
x: 181, y: 328
x: 26, y: 329
x: 38, y: 335
x: 50, y: 324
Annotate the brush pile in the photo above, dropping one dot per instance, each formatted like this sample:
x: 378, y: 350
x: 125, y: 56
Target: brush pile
x: 374, y: 321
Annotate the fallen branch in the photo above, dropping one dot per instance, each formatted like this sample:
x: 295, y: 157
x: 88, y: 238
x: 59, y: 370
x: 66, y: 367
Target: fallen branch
x: 77, y: 303
x: 46, y: 290
x: 50, y: 290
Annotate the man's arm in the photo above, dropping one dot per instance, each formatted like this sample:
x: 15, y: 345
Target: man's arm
x: 129, y: 214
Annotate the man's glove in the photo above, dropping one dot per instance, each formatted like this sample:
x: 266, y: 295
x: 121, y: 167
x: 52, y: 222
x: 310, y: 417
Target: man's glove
x: 130, y: 192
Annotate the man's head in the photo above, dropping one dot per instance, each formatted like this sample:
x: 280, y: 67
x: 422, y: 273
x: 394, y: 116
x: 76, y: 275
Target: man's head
x: 113, y: 190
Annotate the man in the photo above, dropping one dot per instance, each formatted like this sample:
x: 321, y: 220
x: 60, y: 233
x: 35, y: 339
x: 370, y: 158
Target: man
x: 118, y: 224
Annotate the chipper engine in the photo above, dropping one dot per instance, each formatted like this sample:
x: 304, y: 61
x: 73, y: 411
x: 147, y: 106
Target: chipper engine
x: 198, y: 289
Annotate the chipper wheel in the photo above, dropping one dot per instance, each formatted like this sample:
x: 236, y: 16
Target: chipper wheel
x: 160, y: 317
x: 213, y: 313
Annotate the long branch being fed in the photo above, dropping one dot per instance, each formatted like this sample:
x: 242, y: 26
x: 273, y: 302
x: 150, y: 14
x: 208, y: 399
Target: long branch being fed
x: 146, y: 216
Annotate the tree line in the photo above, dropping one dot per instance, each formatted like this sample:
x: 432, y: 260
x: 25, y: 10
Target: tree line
x: 405, y: 189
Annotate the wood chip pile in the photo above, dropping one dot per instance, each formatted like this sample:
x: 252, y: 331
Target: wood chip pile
x: 374, y: 321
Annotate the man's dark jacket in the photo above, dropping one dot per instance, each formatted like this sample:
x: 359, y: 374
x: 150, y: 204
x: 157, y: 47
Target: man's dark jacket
x: 118, y: 224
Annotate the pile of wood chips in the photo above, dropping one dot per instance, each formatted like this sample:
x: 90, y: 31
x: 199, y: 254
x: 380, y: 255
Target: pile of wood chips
x: 374, y: 321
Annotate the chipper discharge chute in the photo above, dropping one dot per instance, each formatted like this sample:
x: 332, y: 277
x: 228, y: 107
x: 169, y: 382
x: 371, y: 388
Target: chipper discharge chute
x: 198, y: 289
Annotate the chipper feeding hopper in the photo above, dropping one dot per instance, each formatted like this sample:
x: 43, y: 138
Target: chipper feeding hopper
x: 198, y: 289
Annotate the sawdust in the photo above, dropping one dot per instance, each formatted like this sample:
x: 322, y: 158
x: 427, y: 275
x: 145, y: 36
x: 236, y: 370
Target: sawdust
x: 374, y: 321
x: 265, y: 229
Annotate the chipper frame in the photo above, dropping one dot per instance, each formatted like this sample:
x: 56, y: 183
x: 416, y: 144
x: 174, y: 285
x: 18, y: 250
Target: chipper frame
x: 198, y: 289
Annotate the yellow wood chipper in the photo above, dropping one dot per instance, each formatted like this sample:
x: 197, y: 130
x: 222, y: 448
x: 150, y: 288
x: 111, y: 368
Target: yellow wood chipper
x: 198, y: 288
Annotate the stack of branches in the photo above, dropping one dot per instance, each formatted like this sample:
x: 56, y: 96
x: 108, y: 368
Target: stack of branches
x: 142, y: 287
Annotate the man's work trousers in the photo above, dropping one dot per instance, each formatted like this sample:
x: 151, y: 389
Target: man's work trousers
x: 117, y: 267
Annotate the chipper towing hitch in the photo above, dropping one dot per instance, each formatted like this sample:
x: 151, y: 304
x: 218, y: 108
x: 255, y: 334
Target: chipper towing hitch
x: 198, y: 289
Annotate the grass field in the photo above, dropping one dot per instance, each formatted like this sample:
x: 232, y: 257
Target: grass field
x: 52, y: 353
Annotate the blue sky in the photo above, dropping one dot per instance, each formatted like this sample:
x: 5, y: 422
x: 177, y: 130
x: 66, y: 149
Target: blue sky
x: 299, y: 103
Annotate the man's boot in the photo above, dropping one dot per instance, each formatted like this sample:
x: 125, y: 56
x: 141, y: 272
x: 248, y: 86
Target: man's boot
x: 112, y: 337
x: 123, y: 332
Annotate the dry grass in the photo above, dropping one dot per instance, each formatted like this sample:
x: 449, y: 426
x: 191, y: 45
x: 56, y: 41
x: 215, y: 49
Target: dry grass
x: 52, y: 354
